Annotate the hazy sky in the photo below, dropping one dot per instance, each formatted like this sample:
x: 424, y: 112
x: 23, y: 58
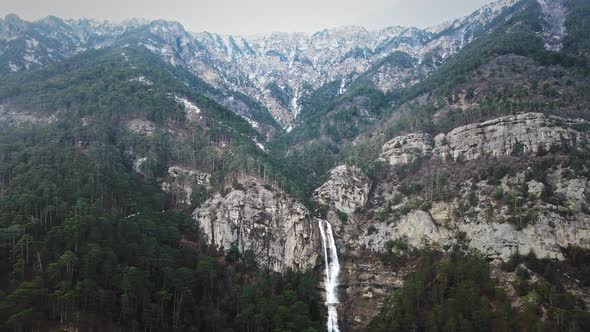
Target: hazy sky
x: 253, y: 16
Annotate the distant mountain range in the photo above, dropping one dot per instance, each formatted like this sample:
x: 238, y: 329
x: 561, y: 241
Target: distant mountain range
x: 276, y: 71
x: 155, y: 178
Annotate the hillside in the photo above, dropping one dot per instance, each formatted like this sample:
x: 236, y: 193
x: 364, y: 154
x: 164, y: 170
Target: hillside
x: 103, y: 154
x: 350, y: 179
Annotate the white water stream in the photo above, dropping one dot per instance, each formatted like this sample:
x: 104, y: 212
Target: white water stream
x: 332, y: 269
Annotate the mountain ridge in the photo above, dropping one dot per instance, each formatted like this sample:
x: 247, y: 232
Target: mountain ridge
x: 264, y: 67
x: 148, y: 175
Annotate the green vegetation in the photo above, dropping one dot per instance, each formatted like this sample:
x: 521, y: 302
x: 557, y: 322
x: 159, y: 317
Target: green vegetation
x: 107, y: 88
x: 447, y: 294
x: 280, y: 94
x: 547, y: 290
x: 84, y: 242
x: 88, y: 242
x: 456, y: 292
x: 343, y: 216
x: 577, y: 25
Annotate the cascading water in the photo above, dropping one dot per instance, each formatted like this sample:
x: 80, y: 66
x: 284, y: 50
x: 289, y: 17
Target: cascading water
x: 332, y: 269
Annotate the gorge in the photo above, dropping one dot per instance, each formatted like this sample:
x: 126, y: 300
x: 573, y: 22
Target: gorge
x: 349, y: 179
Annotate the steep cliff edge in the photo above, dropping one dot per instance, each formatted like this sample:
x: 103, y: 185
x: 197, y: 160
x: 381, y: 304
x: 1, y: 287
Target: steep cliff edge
x: 510, y: 185
x: 528, y: 133
x: 512, y: 135
x: 521, y: 206
x: 278, y: 230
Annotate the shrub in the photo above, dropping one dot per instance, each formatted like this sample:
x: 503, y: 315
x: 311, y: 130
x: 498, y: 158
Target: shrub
x: 426, y: 206
x: 237, y: 186
x: 371, y: 230
x: 498, y: 194
x: 322, y: 211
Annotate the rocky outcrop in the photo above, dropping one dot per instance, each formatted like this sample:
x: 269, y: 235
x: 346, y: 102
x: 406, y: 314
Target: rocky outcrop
x: 511, y: 135
x: 366, y: 282
x: 15, y: 117
x: 554, y: 17
x: 549, y: 233
x: 528, y: 133
x: 499, y: 213
x: 575, y: 189
x: 278, y: 230
x: 138, y: 165
x: 181, y: 181
x: 143, y: 127
x: 347, y: 189
x: 487, y: 222
x: 412, y: 228
x: 299, y: 63
x: 405, y: 149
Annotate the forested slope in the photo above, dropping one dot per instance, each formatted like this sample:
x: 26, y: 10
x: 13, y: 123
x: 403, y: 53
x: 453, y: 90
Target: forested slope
x: 89, y: 237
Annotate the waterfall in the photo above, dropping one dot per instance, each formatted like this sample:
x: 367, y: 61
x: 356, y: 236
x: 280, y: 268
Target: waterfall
x: 332, y: 269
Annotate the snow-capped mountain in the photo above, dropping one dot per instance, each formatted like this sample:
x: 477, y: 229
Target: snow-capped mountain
x: 278, y: 68
x: 273, y: 70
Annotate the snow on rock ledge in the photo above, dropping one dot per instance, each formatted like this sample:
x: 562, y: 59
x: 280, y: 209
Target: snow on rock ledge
x: 347, y: 189
x: 279, y: 230
x: 554, y: 30
x: 142, y: 127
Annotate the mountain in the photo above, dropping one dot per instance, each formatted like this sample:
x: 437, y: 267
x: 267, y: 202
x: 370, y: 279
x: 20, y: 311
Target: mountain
x: 398, y: 179
x: 28, y: 45
x: 276, y: 70
x: 103, y: 154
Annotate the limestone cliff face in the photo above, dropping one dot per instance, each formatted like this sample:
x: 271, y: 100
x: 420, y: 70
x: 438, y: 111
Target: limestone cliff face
x: 405, y: 149
x: 279, y: 230
x: 495, y: 228
x: 347, y: 189
x: 511, y: 135
x: 480, y: 213
x: 499, y: 216
x: 365, y: 283
x: 413, y: 227
x: 527, y: 133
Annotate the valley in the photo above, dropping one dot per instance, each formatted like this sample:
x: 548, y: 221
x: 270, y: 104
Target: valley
x: 350, y: 179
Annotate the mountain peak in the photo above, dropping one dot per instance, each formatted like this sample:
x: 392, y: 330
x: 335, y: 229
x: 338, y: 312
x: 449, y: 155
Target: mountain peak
x: 277, y: 69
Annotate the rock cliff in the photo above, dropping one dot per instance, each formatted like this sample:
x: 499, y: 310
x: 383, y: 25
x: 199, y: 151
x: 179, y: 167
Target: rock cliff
x: 516, y: 210
x: 278, y: 230
x: 405, y: 149
x: 181, y: 181
x: 528, y: 133
x: 522, y: 207
x: 347, y: 189
x: 511, y: 135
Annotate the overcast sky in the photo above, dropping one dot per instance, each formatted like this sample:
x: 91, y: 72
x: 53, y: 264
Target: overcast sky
x: 254, y: 16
